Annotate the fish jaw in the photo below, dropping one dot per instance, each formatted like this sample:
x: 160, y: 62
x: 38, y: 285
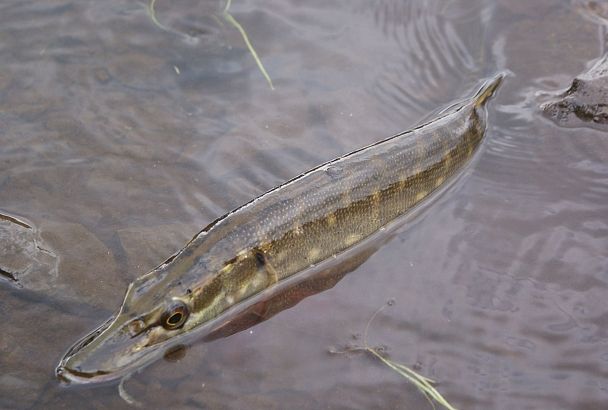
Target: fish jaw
x: 130, y: 339
x: 107, y: 353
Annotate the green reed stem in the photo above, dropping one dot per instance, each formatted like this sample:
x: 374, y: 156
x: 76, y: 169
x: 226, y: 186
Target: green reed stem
x: 230, y: 19
x: 424, y: 384
x: 152, y: 14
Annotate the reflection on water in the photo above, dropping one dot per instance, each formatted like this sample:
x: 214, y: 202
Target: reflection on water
x: 120, y: 140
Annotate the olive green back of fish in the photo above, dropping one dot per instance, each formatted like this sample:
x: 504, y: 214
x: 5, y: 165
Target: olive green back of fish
x: 328, y: 209
x: 313, y: 217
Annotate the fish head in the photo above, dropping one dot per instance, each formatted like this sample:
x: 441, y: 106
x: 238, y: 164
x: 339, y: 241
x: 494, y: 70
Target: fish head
x: 156, y: 309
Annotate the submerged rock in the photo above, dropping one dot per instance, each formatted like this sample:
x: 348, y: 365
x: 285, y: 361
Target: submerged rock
x: 596, y: 11
x: 24, y: 257
x: 585, y: 103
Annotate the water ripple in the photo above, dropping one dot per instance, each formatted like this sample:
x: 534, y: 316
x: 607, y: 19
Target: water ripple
x: 434, y: 58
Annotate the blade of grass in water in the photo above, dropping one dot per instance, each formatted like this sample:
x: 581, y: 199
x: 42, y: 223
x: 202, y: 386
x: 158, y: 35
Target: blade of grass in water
x: 232, y: 21
x: 228, y: 17
x: 422, y: 383
x: 152, y: 13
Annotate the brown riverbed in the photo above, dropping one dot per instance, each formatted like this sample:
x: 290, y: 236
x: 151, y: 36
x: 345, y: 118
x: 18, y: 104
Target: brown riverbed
x: 120, y: 139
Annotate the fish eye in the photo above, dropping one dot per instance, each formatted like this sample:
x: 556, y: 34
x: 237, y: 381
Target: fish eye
x: 175, y: 316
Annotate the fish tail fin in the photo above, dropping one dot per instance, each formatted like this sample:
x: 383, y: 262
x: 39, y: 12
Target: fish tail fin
x: 488, y: 89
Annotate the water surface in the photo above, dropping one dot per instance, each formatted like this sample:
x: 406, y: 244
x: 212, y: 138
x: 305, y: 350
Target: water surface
x: 121, y: 139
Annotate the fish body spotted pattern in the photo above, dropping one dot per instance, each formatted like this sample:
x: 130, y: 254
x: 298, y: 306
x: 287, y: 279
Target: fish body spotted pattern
x: 299, y: 224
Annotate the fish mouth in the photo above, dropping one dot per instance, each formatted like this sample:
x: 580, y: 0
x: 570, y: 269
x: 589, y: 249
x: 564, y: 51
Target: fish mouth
x: 85, y: 341
x: 69, y: 376
x: 68, y: 373
x: 80, y: 371
x: 101, y: 356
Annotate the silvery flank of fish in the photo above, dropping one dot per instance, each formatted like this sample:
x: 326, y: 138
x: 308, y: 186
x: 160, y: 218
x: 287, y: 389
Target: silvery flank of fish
x: 283, y: 232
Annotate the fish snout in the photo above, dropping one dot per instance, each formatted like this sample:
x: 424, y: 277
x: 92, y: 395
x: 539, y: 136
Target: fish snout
x: 75, y: 375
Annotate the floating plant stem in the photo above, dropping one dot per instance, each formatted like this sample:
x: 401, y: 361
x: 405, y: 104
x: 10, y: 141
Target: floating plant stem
x: 228, y: 17
x: 152, y: 13
x: 422, y: 383
x: 122, y: 392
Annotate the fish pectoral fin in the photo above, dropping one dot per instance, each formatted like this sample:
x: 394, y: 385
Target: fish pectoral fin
x: 264, y: 264
x: 273, y: 276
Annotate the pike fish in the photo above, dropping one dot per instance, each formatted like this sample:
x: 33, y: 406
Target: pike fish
x: 277, y: 236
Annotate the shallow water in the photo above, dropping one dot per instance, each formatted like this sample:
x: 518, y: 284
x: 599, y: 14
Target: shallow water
x: 121, y: 139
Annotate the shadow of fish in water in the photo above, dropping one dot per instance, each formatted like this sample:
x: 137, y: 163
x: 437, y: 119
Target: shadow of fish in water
x: 254, y: 261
